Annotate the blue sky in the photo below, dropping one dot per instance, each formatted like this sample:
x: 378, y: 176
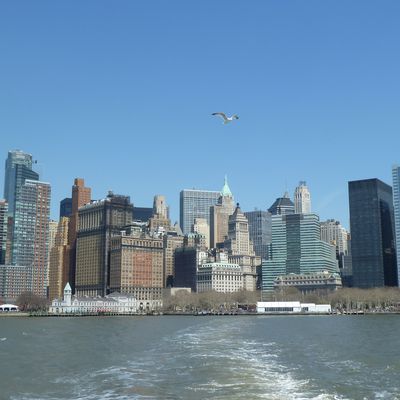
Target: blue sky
x: 121, y: 94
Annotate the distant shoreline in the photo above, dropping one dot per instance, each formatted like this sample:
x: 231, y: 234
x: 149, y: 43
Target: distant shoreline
x: 46, y: 315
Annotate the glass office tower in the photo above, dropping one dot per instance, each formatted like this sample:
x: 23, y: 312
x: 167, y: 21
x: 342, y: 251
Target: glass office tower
x: 372, y: 234
x: 396, y: 205
x: 195, y: 204
x: 18, y: 169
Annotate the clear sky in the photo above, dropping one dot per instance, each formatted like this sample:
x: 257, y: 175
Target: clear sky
x: 121, y: 94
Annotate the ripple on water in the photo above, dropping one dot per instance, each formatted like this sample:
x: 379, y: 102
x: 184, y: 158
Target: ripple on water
x: 211, y: 363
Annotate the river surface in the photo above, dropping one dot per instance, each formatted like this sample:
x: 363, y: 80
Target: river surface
x: 185, y: 357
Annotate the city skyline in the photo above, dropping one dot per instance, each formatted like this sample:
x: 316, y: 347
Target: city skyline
x: 88, y: 89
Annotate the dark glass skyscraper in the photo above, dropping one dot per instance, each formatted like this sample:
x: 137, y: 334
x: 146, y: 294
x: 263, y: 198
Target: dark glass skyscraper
x: 282, y: 206
x: 372, y: 234
x: 66, y: 207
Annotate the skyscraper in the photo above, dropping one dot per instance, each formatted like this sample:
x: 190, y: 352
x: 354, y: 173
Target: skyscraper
x: 302, y: 199
x: 195, y: 204
x: 372, y: 234
x: 136, y: 267
x: 18, y: 169
x: 396, y: 205
x: 58, y: 255
x: 282, y: 206
x: 66, y: 207
x: 160, y: 222
x: 297, y: 248
x: 31, y: 232
x: 260, y: 226
x: 3, y: 230
x: 332, y: 232
x: 200, y: 226
x: 98, y: 222
x: 81, y: 195
x: 240, y: 248
x: 219, y: 216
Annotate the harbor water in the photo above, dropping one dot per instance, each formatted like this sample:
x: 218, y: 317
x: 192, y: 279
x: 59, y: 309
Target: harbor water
x: 203, y: 357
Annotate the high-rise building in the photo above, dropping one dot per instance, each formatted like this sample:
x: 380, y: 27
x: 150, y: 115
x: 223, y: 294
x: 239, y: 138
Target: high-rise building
x: 260, y: 226
x: 142, y: 214
x: 334, y: 233
x: 3, y: 230
x: 201, y: 226
x: 58, y: 260
x: 53, y: 227
x: 302, y: 199
x: 98, y: 222
x: 195, y: 204
x: 160, y: 207
x: 18, y: 169
x: 14, y: 280
x: 187, y: 261
x: 372, y: 234
x: 136, y: 267
x: 282, y: 206
x: 297, y: 248
x: 160, y: 222
x: 396, y: 206
x: 240, y: 248
x: 219, y: 216
x: 171, y: 242
x: 81, y: 195
x: 66, y: 207
x: 31, y: 232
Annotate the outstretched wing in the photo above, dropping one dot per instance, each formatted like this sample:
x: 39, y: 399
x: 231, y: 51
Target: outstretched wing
x: 221, y: 114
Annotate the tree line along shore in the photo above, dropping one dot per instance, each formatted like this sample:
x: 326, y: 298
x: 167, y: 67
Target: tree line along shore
x: 346, y: 300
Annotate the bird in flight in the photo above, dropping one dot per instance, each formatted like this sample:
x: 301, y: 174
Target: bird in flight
x: 225, y: 118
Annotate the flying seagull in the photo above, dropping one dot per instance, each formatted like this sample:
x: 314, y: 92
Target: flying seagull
x: 225, y: 118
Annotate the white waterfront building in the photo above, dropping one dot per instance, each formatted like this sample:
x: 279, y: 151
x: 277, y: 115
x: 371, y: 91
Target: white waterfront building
x: 114, y: 303
x: 292, y: 307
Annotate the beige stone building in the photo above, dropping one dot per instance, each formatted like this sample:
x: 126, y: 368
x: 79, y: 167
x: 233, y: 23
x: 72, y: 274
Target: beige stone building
x: 240, y: 248
x: 219, y: 216
x: 137, y: 267
x: 58, y: 260
x: 98, y: 223
x: 170, y: 244
x: 201, y: 226
x: 160, y: 221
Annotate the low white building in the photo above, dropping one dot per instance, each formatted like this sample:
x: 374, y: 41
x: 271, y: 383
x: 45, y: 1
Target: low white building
x: 221, y: 276
x: 9, y: 308
x: 114, y: 303
x: 292, y: 307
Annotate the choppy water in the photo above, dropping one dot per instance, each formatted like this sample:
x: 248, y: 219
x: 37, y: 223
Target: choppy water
x: 246, y: 357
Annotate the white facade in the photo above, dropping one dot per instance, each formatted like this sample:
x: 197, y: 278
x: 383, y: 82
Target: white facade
x: 9, y: 308
x: 292, y: 307
x: 220, y: 276
x: 115, y: 303
x: 302, y: 199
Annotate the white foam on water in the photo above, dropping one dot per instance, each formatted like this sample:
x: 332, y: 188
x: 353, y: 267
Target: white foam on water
x: 211, y: 363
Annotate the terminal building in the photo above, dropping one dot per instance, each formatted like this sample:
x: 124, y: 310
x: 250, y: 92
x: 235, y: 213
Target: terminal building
x: 114, y: 303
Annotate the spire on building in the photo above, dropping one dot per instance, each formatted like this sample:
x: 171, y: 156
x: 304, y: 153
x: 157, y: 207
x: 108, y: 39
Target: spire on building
x: 226, y: 192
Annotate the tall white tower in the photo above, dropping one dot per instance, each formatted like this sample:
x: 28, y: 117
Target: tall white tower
x: 302, y: 199
x: 68, y: 294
